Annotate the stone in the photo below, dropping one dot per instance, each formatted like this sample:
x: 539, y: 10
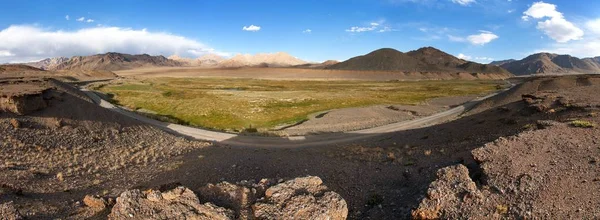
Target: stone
x: 9, y: 212
x: 301, y: 198
x: 94, y: 202
x: 178, y: 203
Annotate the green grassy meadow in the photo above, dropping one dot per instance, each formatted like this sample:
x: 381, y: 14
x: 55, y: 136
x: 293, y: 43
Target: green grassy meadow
x: 237, y: 104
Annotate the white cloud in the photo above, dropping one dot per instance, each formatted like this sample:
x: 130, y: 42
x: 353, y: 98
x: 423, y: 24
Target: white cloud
x: 307, y: 31
x: 590, y: 47
x: 541, y: 10
x: 89, y: 20
x: 81, y: 19
x: 575, y: 48
x: 456, y: 38
x: 510, y: 11
x: 67, y: 17
x: 385, y: 29
x: 252, y: 28
x: 373, y: 26
x: 27, y: 43
x: 482, y: 38
x: 6, y: 53
x: 593, y: 26
x: 556, y: 26
x: 464, y: 57
x: 361, y: 29
x: 477, y: 59
x: 463, y: 2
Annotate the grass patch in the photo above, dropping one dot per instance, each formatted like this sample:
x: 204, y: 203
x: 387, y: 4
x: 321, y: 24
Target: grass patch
x: 583, y: 124
x: 234, y: 104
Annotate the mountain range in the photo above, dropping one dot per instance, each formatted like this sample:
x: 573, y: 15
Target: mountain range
x: 549, y: 63
x: 279, y: 59
x: 426, y: 59
x: 208, y: 60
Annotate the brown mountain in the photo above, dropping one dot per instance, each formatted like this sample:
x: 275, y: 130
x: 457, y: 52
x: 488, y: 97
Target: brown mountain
x: 18, y: 68
x: 386, y: 59
x: 115, y: 61
x: 502, y: 62
x: 322, y: 65
x: 548, y: 63
x: 436, y: 58
x: 427, y: 59
x: 48, y: 63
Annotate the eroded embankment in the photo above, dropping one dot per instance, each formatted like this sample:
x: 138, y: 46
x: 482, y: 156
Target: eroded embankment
x: 551, y: 170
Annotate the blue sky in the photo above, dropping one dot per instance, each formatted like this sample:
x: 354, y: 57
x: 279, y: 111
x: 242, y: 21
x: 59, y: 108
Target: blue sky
x: 313, y: 30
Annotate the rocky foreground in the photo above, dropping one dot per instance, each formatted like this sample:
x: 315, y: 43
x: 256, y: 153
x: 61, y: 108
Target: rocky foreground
x: 549, y: 171
x: 532, y: 152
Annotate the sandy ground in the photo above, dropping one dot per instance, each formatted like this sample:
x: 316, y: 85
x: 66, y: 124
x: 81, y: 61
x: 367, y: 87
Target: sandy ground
x: 533, y: 170
x: 351, y: 119
x: 295, y: 73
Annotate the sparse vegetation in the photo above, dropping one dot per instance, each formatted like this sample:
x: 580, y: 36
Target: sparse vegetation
x: 583, y: 124
x: 233, y: 104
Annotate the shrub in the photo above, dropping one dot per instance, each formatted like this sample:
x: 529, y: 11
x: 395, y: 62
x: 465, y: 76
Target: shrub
x: 583, y: 124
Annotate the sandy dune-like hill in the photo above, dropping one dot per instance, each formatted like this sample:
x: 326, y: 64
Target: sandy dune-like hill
x: 427, y: 59
x: 208, y: 60
x: 115, y: 61
x: 279, y: 59
x: 548, y: 63
x: 48, y: 63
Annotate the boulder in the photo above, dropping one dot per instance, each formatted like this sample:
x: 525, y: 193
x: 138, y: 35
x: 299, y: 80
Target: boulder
x: 178, y: 203
x: 9, y: 212
x: 301, y: 198
x: 448, y: 195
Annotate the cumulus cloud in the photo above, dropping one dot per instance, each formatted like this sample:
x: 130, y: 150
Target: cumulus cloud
x: 463, y: 2
x: 373, y: 26
x: 590, y: 47
x: 456, y: 38
x: 593, y: 26
x: 361, y: 29
x: 555, y: 26
x: 576, y: 48
x: 480, y: 39
x: 5, y: 53
x: 20, y: 43
x: 252, y: 28
x: 464, y: 57
x: 477, y: 59
x: 307, y: 31
x: 89, y: 20
x: 81, y: 19
x: 67, y: 17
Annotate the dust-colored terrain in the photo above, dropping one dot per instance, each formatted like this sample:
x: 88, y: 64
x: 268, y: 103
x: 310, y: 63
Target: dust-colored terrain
x: 351, y: 119
x: 300, y: 74
x: 529, y: 153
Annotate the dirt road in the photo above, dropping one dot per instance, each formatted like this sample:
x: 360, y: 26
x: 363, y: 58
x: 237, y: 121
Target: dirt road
x: 291, y: 141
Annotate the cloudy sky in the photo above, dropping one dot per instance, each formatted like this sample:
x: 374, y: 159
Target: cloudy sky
x: 314, y: 30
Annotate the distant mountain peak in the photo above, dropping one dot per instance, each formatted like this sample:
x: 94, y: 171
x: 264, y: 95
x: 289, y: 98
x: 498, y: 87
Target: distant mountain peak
x: 551, y: 63
x: 426, y: 59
